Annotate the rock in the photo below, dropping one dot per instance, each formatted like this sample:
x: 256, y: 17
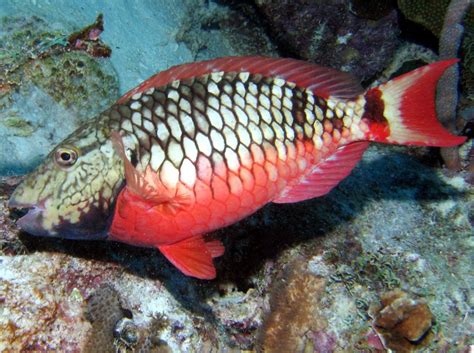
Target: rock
x: 213, y: 30
x: 417, y: 323
x: 330, y: 34
x: 427, y: 13
x: 402, y: 322
x: 49, y: 93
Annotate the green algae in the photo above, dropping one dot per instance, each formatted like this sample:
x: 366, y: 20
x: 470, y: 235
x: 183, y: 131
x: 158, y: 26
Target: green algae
x: 369, y: 269
x: 18, y: 125
x: 74, y: 79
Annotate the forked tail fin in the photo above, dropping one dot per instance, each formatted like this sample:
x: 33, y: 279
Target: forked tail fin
x: 402, y: 111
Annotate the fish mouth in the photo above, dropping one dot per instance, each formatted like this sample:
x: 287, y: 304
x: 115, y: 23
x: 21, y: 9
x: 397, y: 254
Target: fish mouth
x: 31, y: 216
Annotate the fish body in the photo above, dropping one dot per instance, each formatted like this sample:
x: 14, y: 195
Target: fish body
x: 203, y: 145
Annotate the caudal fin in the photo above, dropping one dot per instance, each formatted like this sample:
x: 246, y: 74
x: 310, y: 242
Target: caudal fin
x: 402, y: 111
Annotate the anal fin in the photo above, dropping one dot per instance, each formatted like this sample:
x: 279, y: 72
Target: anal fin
x: 193, y: 256
x: 326, y: 174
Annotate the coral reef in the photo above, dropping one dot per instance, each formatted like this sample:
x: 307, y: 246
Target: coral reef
x: 141, y: 35
x: 34, y: 53
x: 113, y: 328
x: 33, y: 309
x: 300, y: 277
x: 103, y: 311
x: 332, y: 35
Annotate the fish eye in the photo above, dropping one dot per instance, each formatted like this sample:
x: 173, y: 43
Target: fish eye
x: 65, y: 157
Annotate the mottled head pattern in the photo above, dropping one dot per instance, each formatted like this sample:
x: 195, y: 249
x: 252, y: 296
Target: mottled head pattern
x: 71, y: 193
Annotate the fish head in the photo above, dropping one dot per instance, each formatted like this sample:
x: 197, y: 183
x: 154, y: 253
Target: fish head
x: 72, y: 193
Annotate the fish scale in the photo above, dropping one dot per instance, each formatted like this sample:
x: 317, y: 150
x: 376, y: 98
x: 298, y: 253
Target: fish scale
x: 229, y: 141
x: 202, y: 145
x: 220, y: 115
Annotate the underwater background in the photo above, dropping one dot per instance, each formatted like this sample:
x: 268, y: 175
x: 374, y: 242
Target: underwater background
x: 383, y: 262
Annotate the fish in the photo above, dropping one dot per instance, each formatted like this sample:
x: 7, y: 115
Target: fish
x: 203, y: 145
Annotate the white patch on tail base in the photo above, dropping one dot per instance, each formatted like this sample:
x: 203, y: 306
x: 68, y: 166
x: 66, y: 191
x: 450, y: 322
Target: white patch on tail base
x: 392, y: 97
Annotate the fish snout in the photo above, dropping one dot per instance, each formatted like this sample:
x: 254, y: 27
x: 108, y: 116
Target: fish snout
x: 30, y: 215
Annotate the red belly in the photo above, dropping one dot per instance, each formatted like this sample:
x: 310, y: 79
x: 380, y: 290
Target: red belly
x: 212, y: 203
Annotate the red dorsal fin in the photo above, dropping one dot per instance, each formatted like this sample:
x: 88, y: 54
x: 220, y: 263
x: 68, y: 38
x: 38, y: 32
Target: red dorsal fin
x: 193, y: 256
x: 323, y: 81
x: 326, y: 174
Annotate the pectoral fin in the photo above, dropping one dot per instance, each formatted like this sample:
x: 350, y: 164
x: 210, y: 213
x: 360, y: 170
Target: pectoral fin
x: 147, y: 185
x: 193, y: 256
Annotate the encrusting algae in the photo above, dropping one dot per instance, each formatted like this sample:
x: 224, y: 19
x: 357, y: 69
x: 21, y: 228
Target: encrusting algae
x: 294, y: 318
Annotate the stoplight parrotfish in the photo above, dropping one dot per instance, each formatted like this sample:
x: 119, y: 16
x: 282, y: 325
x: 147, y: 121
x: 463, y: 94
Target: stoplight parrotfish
x: 200, y: 146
